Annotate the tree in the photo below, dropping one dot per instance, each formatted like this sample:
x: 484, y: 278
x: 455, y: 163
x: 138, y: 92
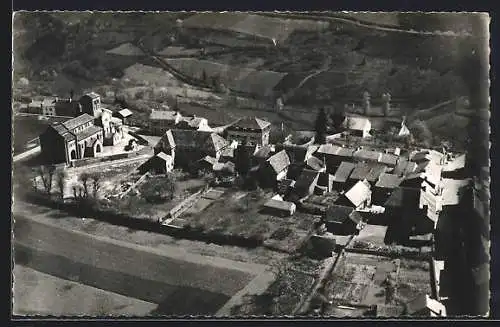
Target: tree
x: 95, y: 184
x: 61, y: 181
x: 320, y: 127
x: 46, y: 172
x: 421, y: 132
x: 84, y: 178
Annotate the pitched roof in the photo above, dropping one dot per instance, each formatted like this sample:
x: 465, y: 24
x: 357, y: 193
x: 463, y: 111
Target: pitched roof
x: 328, y: 149
x: 250, y: 123
x: 124, y: 113
x: 227, y: 152
x: 306, y: 178
x: 359, y: 193
x: 88, y: 132
x: 389, y: 159
x: 340, y: 214
x: 209, y: 159
x: 357, y: 123
x: 77, y: 121
x: 424, y: 301
x: 367, y: 155
x: 164, y: 156
x: 324, y: 179
x: 315, y: 163
x: 360, y: 171
x: 218, y: 142
x: 404, y: 167
x: 280, y: 205
x: 403, y: 197
x: 279, y: 161
x: 419, y: 156
x: 263, y: 152
x: 343, y: 172
x: 163, y: 115
x: 166, y: 141
x: 194, y: 139
x: 386, y: 180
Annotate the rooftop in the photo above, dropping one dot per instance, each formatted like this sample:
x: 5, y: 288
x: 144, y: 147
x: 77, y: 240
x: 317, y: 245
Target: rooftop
x: 357, y: 123
x: 253, y: 123
x: 389, y: 159
x: 315, y: 163
x: 367, y: 155
x: 343, y: 172
x: 164, y: 156
x: 386, y: 180
x: 359, y: 193
x: 279, y: 161
x: 124, y: 113
x: 163, y: 115
x: 278, y: 204
x: 403, y: 197
x: 88, y: 132
x: 340, y: 214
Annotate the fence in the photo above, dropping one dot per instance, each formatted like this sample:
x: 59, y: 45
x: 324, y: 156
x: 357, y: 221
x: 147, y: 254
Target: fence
x: 184, y: 205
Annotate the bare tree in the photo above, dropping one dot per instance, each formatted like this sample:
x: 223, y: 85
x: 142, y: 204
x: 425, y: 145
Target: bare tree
x: 61, y: 181
x: 46, y: 172
x: 96, y: 185
x: 84, y: 178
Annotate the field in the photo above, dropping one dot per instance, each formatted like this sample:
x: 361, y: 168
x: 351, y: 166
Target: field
x: 254, y: 25
x: 27, y: 128
x: 239, y: 213
x: 37, y: 293
x: 361, y: 279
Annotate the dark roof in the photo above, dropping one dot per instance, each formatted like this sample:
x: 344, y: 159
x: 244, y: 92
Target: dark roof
x: 250, y: 123
x: 166, y: 141
x: 197, y: 139
x: 263, y: 152
x: 324, y: 179
x: 340, y: 214
x: 420, y: 156
x: 88, y: 132
x: 315, y: 163
x: 343, y: 172
x: 403, y: 197
x: 306, y: 178
x: 295, y: 152
x: 367, y: 155
x: 279, y: 161
x: 389, y: 159
x: 388, y: 180
x: 124, y: 113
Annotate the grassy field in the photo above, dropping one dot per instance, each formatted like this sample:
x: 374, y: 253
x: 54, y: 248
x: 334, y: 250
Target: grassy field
x: 37, y: 293
x: 27, y: 128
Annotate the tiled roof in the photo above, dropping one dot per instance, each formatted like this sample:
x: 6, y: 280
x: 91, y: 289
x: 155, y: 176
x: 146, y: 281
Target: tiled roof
x: 404, y: 167
x: 360, y: 171
x: 388, y: 180
x: 191, y: 139
x: 306, y: 178
x: 88, y: 132
x: 166, y: 141
x: 280, y: 205
x: 375, y: 172
x: 77, y: 121
x: 403, y: 197
x: 218, y: 142
x: 279, y: 161
x: 251, y: 123
x: 419, y: 156
x: 163, y: 115
x: 328, y: 149
x: 227, y: 152
x: 359, y: 193
x: 342, y: 174
x: 389, y: 159
x: 340, y: 214
x: 209, y: 159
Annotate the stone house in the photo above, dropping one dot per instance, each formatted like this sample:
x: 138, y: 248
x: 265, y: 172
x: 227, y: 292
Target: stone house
x: 274, y: 169
x: 251, y: 129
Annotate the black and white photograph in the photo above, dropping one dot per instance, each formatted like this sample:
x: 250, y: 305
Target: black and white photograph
x: 206, y: 164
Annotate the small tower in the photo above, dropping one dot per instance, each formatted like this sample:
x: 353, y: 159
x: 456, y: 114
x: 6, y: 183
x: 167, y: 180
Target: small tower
x: 386, y: 103
x: 366, y: 103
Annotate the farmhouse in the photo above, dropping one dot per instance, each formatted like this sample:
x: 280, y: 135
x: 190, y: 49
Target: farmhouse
x: 274, y: 169
x: 342, y: 220
x: 161, y: 121
x: 279, y: 207
x: 74, y: 139
x: 358, y: 126
x: 188, y: 146
x: 424, y: 306
x: 358, y: 197
x: 160, y: 163
x: 253, y: 129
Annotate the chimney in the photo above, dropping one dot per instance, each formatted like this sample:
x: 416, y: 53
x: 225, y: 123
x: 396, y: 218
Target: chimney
x: 386, y: 100
x: 366, y: 102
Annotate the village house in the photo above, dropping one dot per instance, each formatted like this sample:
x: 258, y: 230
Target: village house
x: 124, y: 115
x: 188, y: 146
x: 366, y: 171
x: 261, y: 155
x: 385, y: 184
x: 364, y: 155
x: 316, y: 164
x: 44, y: 107
x: 342, y: 174
x: 68, y: 108
x: 74, y: 139
x: 342, y: 220
x: 358, y: 126
x: 254, y: 130
x: 389, y: 159
x: 279, y: 208
x: 274, y: 169
x: 306, y: 184
x: 424, y: 306
x: 161, y: 121
x: 333, y: 155
x: 358, y: 197
x: 194, y: 123
x: 160, y: 163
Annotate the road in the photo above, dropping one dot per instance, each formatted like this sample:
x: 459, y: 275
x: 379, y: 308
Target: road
x: 180, y: 283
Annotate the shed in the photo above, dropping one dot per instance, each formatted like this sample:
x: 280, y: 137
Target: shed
x: 279, y: 207
x: 160, y: 163
x: 342, y: 220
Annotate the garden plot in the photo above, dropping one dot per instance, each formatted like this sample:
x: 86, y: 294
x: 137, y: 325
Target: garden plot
x: 361, y: 279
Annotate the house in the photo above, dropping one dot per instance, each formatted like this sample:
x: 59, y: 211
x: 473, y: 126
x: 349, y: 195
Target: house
x: 194, y: 123
x: 206, y: 164
x: 227, y: 155
x: 385, y: 184
x: 189, y: 146
x: 364, y: 155
x: 162, y: 120
x: 389, y: 159
x: 160, y: 163
x: 44, y: 107
x: 254, y: 130
x: 358, y: 197
x: 274, y: 169
x: 74, y: 139
x: 306, y: 183
x: 358, y: 126
x: 261, y: 155
x: 124, y: 115
x: 316, y: 164
x: 343, y: 172
x: 424, y: 306
x: 279, y: 208
x: 333, y: 155
x: 285, y: 187
x: 324, y: 184
x: 366, y: 171
x: 68, y: 108
x: 342, y: 220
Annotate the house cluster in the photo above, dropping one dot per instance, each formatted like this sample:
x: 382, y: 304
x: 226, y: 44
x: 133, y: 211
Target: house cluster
x: 91, y: 127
